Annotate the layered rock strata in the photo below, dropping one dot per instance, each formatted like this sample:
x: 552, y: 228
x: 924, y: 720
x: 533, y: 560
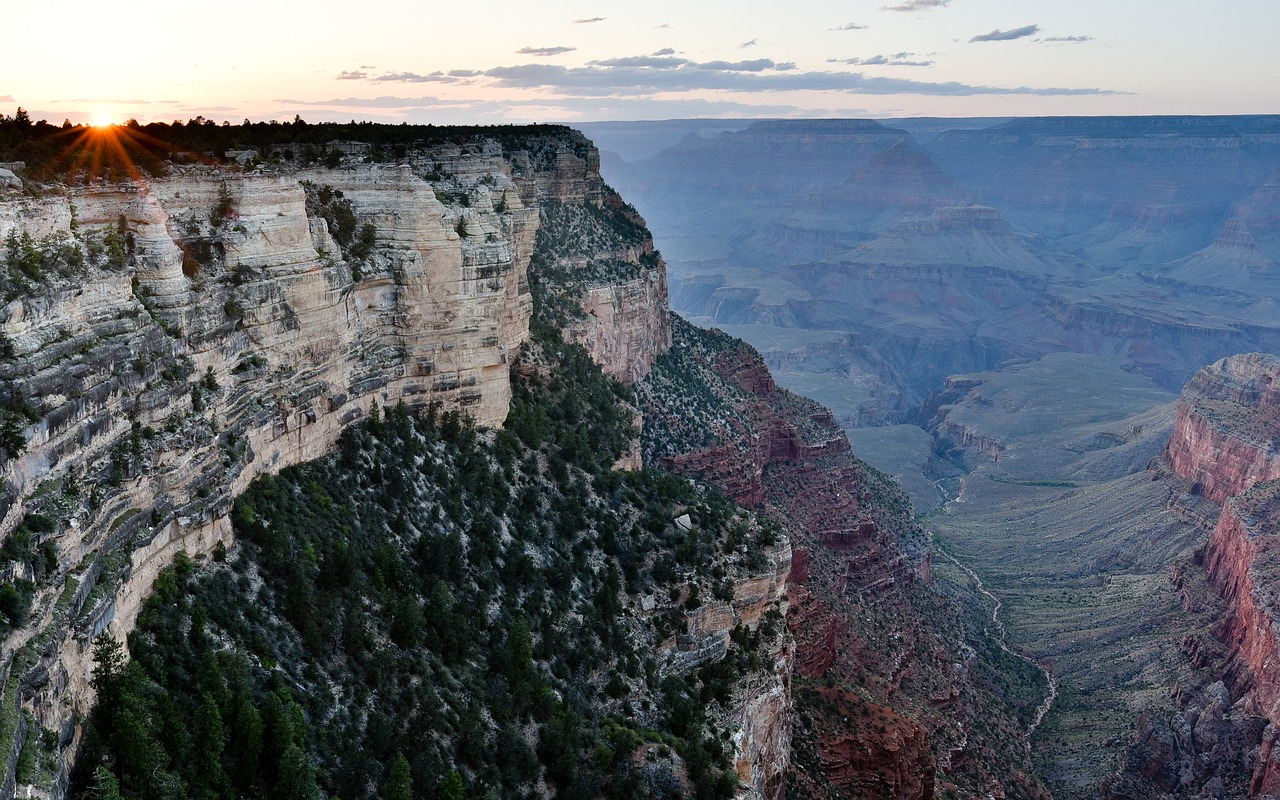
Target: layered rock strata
x: 1227, y: 436
x: 1221, y: 737
x: 884, y: 701
x: 231, y: 333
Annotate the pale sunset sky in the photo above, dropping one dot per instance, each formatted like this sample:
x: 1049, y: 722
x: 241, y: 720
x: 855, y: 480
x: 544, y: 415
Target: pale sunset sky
x: 563, y: 61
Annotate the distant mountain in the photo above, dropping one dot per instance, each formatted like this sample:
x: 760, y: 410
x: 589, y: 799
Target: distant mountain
x: 1099, y: 235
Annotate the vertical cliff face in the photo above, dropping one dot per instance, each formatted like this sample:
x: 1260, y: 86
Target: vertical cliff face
x: 182, y: 335
x: 1225, y: 437
x: 1221, y: 736
x: 610, y: 283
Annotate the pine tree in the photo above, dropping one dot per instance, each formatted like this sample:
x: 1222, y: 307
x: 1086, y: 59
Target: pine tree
x: 399, y: 784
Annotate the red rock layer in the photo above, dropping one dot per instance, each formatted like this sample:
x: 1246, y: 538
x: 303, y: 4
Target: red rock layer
x: 1226, y: 446
x: 1227, y: 434
x: 877, y: 683
x: 764, y: 436
x: 1243, y: 561
x: 1218, y: 455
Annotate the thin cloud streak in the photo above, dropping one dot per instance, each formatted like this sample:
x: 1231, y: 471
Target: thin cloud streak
x: 895, y: 60
x: 1068, y: 39
x: 917, y: 5
x: 852, y: 26
x: 545, y: 51
x: 588, y: 21
x: 1009, y: 35
x: 413, y: 77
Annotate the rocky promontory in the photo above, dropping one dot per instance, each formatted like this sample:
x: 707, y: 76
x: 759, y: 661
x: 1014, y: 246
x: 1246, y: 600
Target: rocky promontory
x: 169, y: 338
x: 1227, y: 435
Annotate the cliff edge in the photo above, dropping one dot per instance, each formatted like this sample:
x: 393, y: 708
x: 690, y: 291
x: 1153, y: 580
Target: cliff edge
x: 166, y: 340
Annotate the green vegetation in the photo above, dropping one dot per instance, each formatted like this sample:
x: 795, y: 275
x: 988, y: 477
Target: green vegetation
x: 356, y: 240
x: 472, y: 592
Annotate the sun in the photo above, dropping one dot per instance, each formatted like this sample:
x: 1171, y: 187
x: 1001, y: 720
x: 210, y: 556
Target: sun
x: 102, y: 119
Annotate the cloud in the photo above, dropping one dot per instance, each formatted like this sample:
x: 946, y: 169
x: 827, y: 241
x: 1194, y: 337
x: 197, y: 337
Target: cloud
x: 755, y: 65
x: 917, y: 5
x: 7, y: 98
x: 354, y: 75
x: 367, y: 66
x: 1071, y: 39
x: 1005, y: 36
x: 894, y: 60
x: 657, y: 61
x: 588, y: 21
x: 666, y: 51
x: 465, y: 73
x: 434, y: 109
x: 652, y: 62
x: 851, y: 26
x: 413, y: 77
x: 745, y: 45
x: 626, y: 81
x: 545, y: 51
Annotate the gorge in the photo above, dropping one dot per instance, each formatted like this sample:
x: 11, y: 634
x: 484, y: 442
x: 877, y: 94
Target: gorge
x: 330, y: 397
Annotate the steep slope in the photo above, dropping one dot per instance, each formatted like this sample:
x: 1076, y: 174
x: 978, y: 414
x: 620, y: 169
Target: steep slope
x: 1218, y: 733
x: 891, y: 699
x: 496, y: 607
x: 167, y: 340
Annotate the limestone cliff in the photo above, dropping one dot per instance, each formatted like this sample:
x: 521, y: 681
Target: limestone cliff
x: 178, y: 336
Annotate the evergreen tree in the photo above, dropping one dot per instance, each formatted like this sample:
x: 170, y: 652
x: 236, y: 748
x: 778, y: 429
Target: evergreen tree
x: 105, y: 785
x: 451, y: 788
x: 399, y: 783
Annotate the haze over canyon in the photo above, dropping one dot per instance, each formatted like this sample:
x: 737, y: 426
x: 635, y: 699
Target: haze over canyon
x: 369, y: 461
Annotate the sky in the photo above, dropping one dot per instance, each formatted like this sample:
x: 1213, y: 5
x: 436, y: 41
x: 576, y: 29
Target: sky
x: 564, y: 61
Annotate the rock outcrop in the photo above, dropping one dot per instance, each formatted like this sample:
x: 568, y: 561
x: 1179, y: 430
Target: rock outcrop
x: 1227, y: 435
x: 1219, y: 739
x: 883, y: 700
x: 214, y: 324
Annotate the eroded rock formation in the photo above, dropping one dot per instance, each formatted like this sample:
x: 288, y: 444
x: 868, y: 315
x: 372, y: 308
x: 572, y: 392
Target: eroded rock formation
x: 1218, y: 739
x: 884, y: 700
x: 224, y: 324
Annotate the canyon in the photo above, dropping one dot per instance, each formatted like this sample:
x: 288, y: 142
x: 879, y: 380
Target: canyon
x: 919, y: 249
x: 1025, y: 330
x: 1000, y: 313
x: 170, y: 340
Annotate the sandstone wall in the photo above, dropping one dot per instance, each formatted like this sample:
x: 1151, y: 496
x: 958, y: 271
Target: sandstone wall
x: 1225, y: 436
x: 167, y: 385
x: 1225, y: 445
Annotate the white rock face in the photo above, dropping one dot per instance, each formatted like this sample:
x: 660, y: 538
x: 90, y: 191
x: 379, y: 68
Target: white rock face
x: 229, y: 348
x: 9, y: 182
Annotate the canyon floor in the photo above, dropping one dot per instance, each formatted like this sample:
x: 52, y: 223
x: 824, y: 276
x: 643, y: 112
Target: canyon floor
x: 1051, y: 505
